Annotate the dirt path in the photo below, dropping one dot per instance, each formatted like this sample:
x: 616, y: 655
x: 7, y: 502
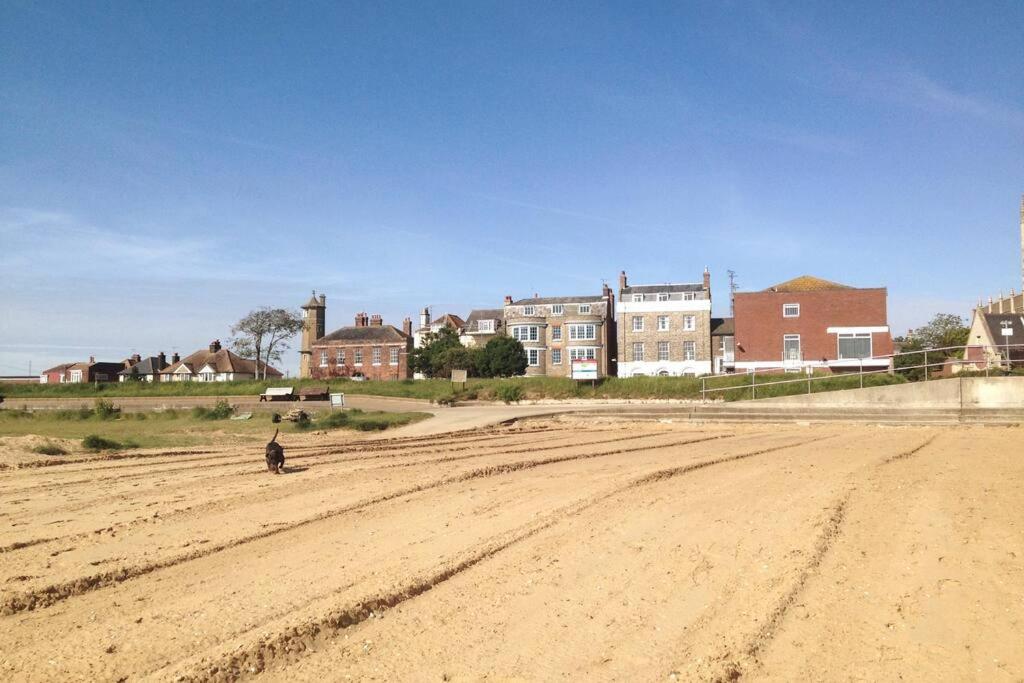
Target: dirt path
x: 612, y: 552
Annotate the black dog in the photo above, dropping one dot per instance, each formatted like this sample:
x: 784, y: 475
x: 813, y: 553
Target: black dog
x: 275, y: 455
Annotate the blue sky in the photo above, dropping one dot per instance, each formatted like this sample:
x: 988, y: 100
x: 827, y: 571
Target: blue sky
x: 166, y: 167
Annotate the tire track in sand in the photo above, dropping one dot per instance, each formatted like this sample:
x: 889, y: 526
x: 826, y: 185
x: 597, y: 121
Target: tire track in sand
x: 55, y: 593
x: 732, y: 668
x: 293, y: 641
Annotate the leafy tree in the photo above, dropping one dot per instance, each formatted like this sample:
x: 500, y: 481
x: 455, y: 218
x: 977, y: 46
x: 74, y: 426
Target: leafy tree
x: 943, y: 331
x: 502, y: 357
x: 441, y: 352
x: 263, y: 335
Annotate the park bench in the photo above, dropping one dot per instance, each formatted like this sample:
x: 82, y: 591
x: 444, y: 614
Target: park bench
x: 278, y: 394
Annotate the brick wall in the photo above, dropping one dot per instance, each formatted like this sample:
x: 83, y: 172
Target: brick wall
x: 383, y: 372
x: 760, y: 325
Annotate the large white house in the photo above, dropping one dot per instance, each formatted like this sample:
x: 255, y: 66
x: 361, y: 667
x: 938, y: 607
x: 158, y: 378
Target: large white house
x: 664, y: 330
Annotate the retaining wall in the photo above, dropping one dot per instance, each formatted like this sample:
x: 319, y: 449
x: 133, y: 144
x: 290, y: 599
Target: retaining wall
x: 957, y: 392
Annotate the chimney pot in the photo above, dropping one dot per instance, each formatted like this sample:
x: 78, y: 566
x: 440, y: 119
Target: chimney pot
x: 175, y: 357
x: 407, y: 326
x: 623, y: 282
x: 707, y: 279
x: 92, y: 359
x: 376, y: 320
x: 508, y: 300
x: 161, y: 360
x: 215, y: 346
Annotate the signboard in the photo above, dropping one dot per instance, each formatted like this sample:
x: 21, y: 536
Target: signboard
x: 585, y: 368
x: 337, y: 401
x: 458, y: 376
x: 1007, y: 329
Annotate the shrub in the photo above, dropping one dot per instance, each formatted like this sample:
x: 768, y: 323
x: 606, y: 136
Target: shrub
x: 371, y: 424
x: 49, y: 448
x: 94, y: 442
x: 275, y: 418
x: 335, y: 419
x: 509, y: 393
x: 105, y: 410
x: 221, y: 410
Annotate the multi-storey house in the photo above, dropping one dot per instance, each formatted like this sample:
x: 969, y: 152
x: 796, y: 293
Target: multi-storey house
x: 808, y: 323
x: 482, y: 325
x: 555, y: 331
x: 368, y: 350
x: 664, y: 330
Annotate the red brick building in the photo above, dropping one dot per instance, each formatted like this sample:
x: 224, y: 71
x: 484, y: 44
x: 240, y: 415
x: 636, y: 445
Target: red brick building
x: 808, y: 322
x: 369, y: 350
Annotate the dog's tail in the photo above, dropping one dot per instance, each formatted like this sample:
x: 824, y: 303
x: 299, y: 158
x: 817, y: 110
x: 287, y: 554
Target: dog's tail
x: 275, y: 435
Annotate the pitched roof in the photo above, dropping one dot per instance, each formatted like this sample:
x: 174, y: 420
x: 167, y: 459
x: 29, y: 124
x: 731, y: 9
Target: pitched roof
x: 721, y: 327
x: 57, y: 368
x: 221, y: 361
x: 451, y: 320
x: 478, y: 314
x: 806, y: 283
x: 587, y: 299
x: 994, y: 322
x: 667, y: 287
x: 146, y: 366
x: 371, y: 333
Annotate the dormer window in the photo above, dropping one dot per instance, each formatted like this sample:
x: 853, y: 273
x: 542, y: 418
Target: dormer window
x: 638, y: 297
x: 688, y: 296
x: 557, y: 309
x: 485, y: 326
x: 662, y: 296
x: 790, y: 310
x: 529, y: 310
x: 584, y: 309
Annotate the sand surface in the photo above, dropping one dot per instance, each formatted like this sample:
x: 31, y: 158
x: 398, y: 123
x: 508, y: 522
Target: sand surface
x: 547, y: 550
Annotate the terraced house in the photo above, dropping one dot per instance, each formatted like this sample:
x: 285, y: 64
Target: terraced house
x: 665, y: 330
x: 557, y: 330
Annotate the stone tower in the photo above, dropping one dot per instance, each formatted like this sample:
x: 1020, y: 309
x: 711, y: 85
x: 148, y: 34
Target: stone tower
x: 313, y: 321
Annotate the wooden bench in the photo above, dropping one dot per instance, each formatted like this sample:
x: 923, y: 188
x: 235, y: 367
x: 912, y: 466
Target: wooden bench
x: 278, y: 394
x: 314, y: 393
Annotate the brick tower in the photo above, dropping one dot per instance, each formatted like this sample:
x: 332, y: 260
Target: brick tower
x: 313, y: 321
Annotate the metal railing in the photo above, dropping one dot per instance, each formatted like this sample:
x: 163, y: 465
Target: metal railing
x: 999, y: 354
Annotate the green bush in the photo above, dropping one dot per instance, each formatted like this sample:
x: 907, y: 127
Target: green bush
x: 49, y: 448
x: 221, y: 410
x: 335, y: 419
x: 94, y: 442
x: 371, y: 424
x: 105, y: 410
x: 509, y: 393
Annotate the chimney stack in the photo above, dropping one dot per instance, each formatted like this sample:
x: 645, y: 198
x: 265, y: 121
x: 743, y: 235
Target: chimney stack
x: 136, y: 359
x: 161, y: 360
x: 623, y: 282
x: 407, y: 327
x: 215, y: 346
x: 425, y: 318
x: 508, y: 300
x: 376, y: 320
x: 175, y: 357
x: 707, y: 279
x: 361, y: 320
x: 92, y: 359
x: 323, y: 300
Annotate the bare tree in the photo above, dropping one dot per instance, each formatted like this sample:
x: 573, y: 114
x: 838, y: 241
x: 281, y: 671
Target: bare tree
x: 265, y: 328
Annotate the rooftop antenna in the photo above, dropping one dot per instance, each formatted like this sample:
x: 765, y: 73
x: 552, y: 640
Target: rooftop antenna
x: 732, y: 292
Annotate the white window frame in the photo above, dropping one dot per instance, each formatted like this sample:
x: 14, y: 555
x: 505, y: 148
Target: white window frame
x: 855, y: 335
x: 323, y: 359
x: 556, y: 333
x: 787, y: 314
x: 529, y: 310
x: 637, y: 357
x: 799, y: 347
x: 638, y: 297
x: 584, y: 309
x: 664, y: 323
x: 638, y: 323
x: 376, y: 355
x: 557, y: 309
x: 662, y: 296
x: 556, y: 356
x: 689, y: 323
x: 583, y: 332
x: 341, y: 356
x: 485, y: 326
x: 76, y: 377
x: 689, y: 350
x: 533, y: 357
x: 689, y: 296
x: 664, y: 351
x: 394, y: 355
x: 526, y: 333
x: 582, y: 353
x: 357, y: 357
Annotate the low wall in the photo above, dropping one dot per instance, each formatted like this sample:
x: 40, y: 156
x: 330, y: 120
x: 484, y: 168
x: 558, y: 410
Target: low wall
x: 963, y: 392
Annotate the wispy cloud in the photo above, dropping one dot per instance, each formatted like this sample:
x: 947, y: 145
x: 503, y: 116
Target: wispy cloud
x: 922, y: 91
